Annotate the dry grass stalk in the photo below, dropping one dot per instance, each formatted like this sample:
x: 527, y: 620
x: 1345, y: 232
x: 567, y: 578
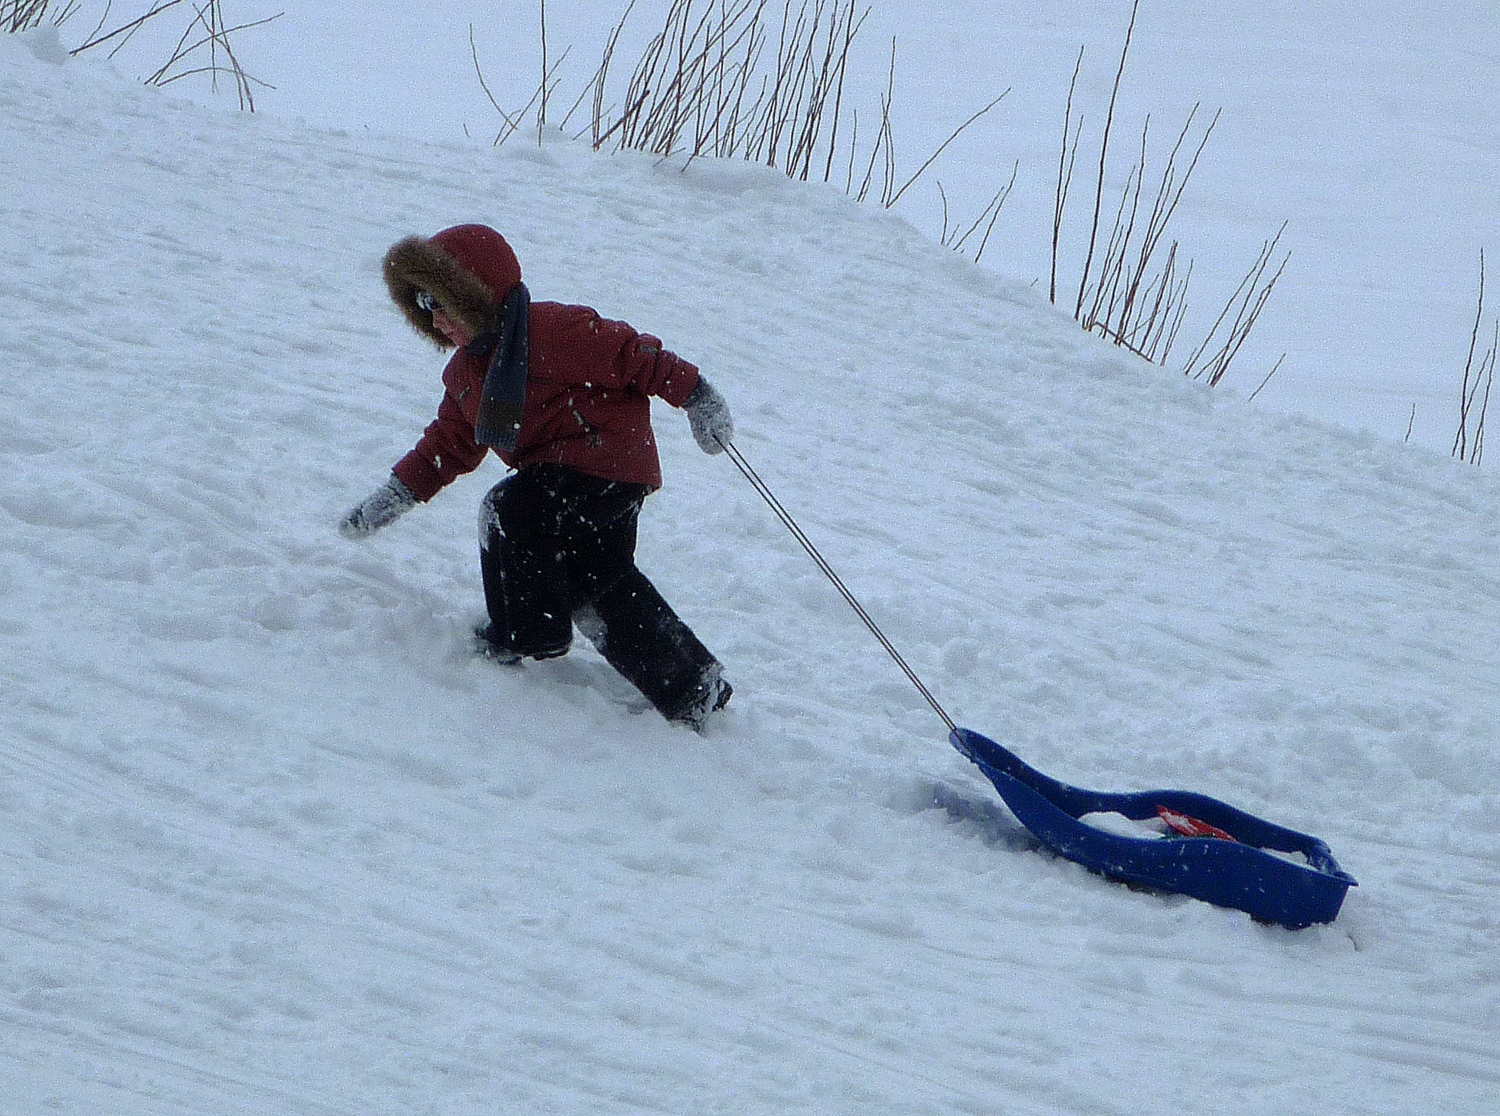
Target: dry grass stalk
x: 1212, y: 358
x: 24, y: 15
x: 206, y: 34
x: 952, y: 239
x: 715, y: 81
x: 1474, y: 397
x: 1123, y: 292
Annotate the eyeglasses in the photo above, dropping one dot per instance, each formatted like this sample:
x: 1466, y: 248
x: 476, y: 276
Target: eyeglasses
x: 426, y: 301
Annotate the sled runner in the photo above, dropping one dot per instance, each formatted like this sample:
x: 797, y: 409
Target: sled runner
x: 1241, y: 869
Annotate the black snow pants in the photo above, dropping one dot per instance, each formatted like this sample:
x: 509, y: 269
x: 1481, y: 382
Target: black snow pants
x: 558, y: 546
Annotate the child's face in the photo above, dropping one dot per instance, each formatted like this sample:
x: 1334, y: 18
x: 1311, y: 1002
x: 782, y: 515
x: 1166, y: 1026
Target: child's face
x: 455, y: 330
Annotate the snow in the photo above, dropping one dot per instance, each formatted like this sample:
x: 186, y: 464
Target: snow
x: 276, y: 842
x: 1121, y: 826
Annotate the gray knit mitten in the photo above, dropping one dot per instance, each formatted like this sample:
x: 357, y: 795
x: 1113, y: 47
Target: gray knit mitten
x: 381, y: 508
x: 708, y: 415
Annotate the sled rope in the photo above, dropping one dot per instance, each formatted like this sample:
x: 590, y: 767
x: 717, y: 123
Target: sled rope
x: 791, y: 525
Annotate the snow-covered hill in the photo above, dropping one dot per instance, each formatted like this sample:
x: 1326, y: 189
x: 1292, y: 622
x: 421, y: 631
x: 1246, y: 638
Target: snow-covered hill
x: 275, y: 842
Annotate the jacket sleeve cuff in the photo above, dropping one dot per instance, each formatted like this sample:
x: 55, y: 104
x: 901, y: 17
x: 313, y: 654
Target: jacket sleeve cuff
x: 419, y: 475
x: 679, y: 382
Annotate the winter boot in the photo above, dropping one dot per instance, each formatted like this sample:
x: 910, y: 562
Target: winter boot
x: 712, y: 695
x: 491, y: 646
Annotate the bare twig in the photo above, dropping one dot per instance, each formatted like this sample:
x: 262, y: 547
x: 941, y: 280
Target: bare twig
x: 127, y: 28
x: 1134, y: 281
x: 706, y: 83
x: 1468, y: 445
x: 23, y: 15
x: 1247, y: 302
x: 1066, y: 159
x: 942, y: 147
x: 479, y: 73
x: 541, y: 112
x: 883, y: 136
x: 1109, y: 120
x: 992, y: 211
x: 206, y: 32
x: 215, y: 36
x: 1277, y: 367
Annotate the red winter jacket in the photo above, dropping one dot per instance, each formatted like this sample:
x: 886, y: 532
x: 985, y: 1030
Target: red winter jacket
x: 587, y: 395
x: 587, y: 404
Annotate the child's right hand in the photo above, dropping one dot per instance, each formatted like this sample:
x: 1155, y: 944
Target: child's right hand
x: 709, y: 417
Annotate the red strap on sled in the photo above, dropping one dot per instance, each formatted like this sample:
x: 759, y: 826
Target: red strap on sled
x: 1190, y: 826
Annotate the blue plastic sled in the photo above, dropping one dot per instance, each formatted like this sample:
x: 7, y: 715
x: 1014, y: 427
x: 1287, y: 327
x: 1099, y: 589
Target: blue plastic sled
x: 1235, y: 873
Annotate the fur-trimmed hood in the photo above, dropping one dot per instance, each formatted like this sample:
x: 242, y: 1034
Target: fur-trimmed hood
x: 469, y: 269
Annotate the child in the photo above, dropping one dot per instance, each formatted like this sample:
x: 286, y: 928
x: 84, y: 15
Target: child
x: 563, y: 397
